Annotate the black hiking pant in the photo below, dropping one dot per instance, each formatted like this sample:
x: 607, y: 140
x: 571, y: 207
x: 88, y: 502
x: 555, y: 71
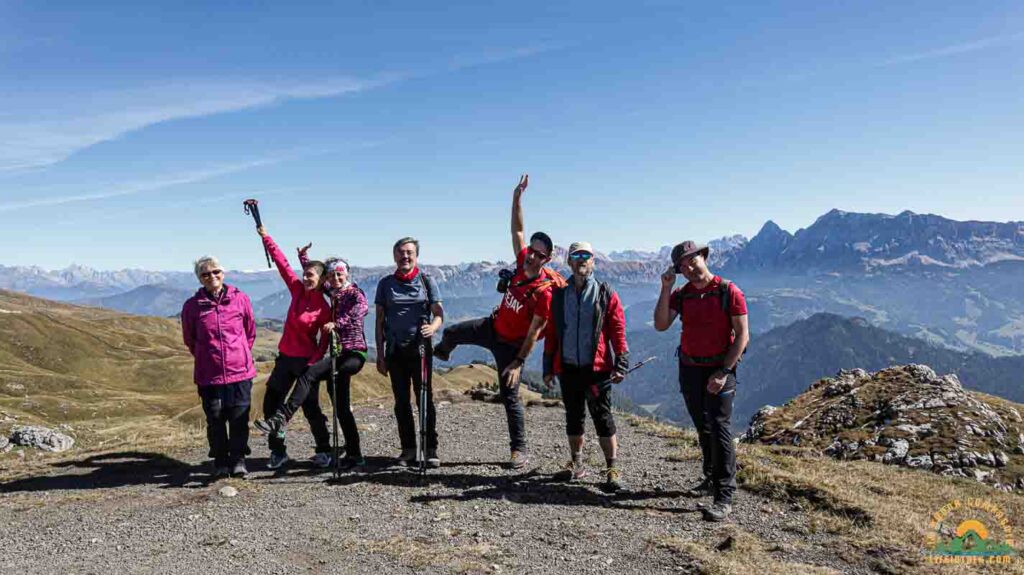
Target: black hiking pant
x: 227, y: 420
x: 405, y: 370
x: 307, y: 387
x: 712, y: 415
x: 480, y: 332
x: 578, y: 387
x: 287, y: 370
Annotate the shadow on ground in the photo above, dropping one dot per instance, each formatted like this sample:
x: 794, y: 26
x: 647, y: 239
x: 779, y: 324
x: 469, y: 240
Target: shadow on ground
x: 528, y: 487
x: 111, y: 470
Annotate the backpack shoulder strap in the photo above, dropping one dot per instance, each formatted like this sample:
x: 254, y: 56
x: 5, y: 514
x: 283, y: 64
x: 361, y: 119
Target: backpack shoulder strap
x: 426, y: 287
x: 604, y: 293
x: 725, y: 294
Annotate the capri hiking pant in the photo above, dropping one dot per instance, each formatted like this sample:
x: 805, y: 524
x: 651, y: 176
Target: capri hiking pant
x: 579, y: 385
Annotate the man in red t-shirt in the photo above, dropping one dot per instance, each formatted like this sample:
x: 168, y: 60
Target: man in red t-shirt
x: 713, y: 314
x: 518, y: 322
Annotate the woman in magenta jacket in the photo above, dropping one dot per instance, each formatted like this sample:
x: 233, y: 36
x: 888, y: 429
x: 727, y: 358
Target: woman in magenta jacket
x: 219, y: 329
x: 297, y: 350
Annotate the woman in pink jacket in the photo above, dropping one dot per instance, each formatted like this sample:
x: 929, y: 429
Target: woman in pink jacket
x: 219, y: 330
x: 297, y: 350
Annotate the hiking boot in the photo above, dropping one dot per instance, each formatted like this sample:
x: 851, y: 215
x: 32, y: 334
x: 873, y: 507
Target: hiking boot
x: 433, y: 461
x: 702, y: 489
x: 612, y: 480
x: 719, y: 511
x: 441, y: 352
x: 277, y: 460
x: 321, y: 460
x: 572, y: 471
x: 518, y: 460
x: 221, y: 471
x: 274, y: 424
x: 239, y: 470
x: 352, y: 463
x: 408, y: 457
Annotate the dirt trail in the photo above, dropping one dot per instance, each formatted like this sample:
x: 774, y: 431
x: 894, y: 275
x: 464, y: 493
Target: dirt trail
x: 155, y: 513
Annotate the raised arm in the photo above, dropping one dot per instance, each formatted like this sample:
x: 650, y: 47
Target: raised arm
x: 280, y: 260
x: 663, y: 314
x: 304, y: 254
x: 518, y: 228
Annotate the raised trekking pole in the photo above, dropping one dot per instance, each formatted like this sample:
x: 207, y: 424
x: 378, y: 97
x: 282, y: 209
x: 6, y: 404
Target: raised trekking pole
x: 421, y: 450
x: 334, y: 397
x: 252, y: 207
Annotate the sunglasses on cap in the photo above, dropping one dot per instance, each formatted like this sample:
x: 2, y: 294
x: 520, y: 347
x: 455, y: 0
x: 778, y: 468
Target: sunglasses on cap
x: 211, y: 273
x: 580, y: 256
x: 537, y: 253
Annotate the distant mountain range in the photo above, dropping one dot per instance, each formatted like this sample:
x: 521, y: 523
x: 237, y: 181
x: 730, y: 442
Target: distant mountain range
x: 780, y: 363
x: 952, y: 283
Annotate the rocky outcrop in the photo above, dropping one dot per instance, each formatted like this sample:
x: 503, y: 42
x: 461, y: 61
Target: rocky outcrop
x: 906, y: 416
x: 40, y: 438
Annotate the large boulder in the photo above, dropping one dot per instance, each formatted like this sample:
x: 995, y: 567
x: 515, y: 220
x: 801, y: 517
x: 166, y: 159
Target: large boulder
x: 41, y: 438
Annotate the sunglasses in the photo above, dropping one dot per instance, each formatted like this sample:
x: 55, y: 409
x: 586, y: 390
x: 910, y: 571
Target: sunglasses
x: 537, y: 253
x: 211, y: 273
x: 580, y: 256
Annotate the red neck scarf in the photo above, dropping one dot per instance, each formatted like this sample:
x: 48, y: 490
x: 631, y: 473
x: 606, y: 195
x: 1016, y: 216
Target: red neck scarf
x: 409, y: 276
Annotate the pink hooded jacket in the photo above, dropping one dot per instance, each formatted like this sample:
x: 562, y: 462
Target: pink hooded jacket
x: 220, y: 334
x: 307, y: 313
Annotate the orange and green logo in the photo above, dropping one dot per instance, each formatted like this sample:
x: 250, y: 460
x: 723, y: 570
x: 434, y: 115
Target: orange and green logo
x: 970, y: 531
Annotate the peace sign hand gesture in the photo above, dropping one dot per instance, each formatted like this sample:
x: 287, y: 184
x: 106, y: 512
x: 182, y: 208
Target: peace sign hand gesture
x: 302, y: 251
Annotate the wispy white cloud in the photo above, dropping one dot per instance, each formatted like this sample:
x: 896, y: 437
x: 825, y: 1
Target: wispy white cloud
x: 45, y: 140
x: 953, y: 50
x: 160, y: 183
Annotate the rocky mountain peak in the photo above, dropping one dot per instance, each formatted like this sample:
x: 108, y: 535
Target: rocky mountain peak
x: 907, y: 416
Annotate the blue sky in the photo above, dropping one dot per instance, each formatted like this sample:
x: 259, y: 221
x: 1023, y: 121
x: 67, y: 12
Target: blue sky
x: 130, y: 133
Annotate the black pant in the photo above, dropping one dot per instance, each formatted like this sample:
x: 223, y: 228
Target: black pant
x: 307, y: 387
x: 712, y: 414
x: 578, y: 394
x: 405, y: 368
x: 287, y: 370
x: 227, y: 420
x: 481, y: 332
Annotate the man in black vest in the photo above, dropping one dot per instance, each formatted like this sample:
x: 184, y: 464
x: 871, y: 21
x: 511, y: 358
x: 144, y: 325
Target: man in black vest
x: 713, y: 314
x: 586, y: 348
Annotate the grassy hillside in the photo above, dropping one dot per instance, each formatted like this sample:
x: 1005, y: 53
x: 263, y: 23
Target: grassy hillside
x: 119, y: 379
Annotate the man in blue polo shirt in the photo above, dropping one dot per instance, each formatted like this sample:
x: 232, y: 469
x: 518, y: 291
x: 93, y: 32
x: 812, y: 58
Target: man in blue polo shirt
x: 408, y: 309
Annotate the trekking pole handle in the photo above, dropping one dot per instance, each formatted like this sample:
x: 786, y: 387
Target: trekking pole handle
x: 632, y: 369
x: 252, y: 207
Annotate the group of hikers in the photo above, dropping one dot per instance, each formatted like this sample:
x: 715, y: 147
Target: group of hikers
x: 581, y: 321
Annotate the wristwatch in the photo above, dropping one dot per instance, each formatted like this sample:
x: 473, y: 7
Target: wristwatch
x: 729, y: 370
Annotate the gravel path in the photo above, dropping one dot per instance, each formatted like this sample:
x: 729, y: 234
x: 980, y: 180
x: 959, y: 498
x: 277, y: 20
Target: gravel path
x: 153, y: 513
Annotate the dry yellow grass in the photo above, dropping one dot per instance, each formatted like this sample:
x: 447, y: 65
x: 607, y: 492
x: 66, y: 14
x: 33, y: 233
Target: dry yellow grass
x: 880, y: 514
x: 745, y: 553
x: 121, y: 381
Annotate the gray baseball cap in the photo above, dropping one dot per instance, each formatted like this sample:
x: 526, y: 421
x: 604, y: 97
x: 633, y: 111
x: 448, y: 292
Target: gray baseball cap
x: 580, y: 247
